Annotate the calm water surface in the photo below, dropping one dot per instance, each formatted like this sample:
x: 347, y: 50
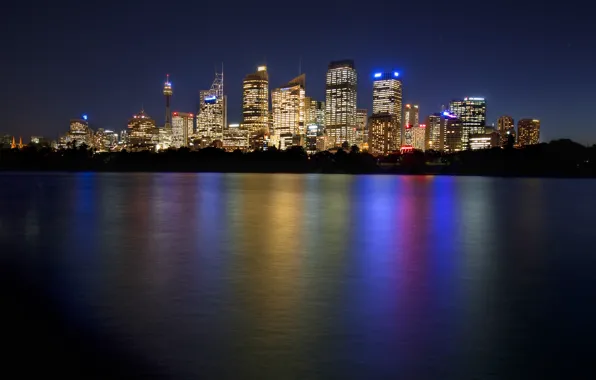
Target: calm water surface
x: 317, y: 277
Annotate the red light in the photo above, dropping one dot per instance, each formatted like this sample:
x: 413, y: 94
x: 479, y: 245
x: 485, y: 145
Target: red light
x: 408, y: 126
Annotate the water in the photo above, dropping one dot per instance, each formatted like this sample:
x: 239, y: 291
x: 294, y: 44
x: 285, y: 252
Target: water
x: 319, y: 277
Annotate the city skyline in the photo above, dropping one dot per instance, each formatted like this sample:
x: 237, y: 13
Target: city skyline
x: 108, y: 82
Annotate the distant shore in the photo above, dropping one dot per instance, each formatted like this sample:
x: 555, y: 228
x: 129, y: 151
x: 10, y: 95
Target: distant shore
x: 557, y: 159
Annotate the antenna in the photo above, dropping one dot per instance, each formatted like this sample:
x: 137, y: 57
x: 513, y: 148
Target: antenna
x: 300, y: 65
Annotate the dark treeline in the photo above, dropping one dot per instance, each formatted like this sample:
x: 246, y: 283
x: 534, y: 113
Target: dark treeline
x: 559, y: 158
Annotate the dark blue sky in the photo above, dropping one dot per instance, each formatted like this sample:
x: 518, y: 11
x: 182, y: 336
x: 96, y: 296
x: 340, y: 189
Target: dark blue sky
x: 62, y: 59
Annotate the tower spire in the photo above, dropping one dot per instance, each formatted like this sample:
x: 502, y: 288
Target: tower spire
x: 13, y: 145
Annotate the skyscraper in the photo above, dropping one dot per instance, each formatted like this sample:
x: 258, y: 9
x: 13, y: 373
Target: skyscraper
x: 435, y: 135
x: 212, y: 115
x: 314, y: 113
x: 340, y: 102
x: 472, y: 113
x: 142, y: 132
x: 79, y: 132
x: 167, y: 92
x: 419, y: 137
x: 528, y: 132
x: 387, y: 100
x: 182, y: 124
x: 361, y: 127
x: 411, y: 121
x: 255, y: 101
x: 288, y: 112
x: 382, y: 133
x: 453, y: 128
x: 505, y: 127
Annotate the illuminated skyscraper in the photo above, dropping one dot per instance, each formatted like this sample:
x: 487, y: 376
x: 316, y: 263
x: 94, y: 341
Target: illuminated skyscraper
x: 419, y: 137
x: 79, y: 132
x: 435, y: 136
x: 387, y: 100
x: 167, y: 92
x: 288, y: 112
x: 505, y: 127
x: 528, y: 132
x: 382, y: 133
x: 453, y: 128
x: 181, y: 129
x: 212, y: 115
x: 472, y: 113
x: 411, y: 121
x: 340, y: 102
x: 142, y: 132
x: 314, y: 113
x: 361, y: 127
x: 255, y: 101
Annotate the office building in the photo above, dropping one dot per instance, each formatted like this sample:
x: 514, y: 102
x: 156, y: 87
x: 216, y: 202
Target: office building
x: 340, y: 102
x: 288, y: 112
x: 142, y: 132
x: 453, y: 128
x: 182, y: 124
x: 361, y: 127
x: 387, y: 100
x: 235, y: 139
x: 485, y: 140
x: 419, y: 137
x: 382, y: 134
x: 435, y: 135
x: 472, y: 113
x: 255, y: 101
x: 79, y: 133
x: 506, y: 127
x: 411, y: 121
x: 212, y: 115
x: 528, y: 132
x: 314, y: 113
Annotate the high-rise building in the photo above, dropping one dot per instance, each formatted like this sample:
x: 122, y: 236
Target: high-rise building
x: 255, y: 101
x: 142, y: 132
x: 528, y: 132
x: 472, y: 113
x: 435, y: 135
x: 182, y: 124
x: 453, y: 128
x: 314, y: 113
x: 167, y: 92
x: 340, y: 102
x: 387, y: 100
x: 79, y: 132
x: 382, y: 133
x: 419, y: 137
x: 361, y: 127
x: 288, y: 112
x: 506, y: 127
x: 411, y: 121
x: 212, y: 115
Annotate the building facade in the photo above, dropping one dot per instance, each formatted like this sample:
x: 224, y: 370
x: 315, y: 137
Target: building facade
x: 411, y: 121
x: 387, y: 100
x: 506, y: 127
x: 435, y: 135
x: 213, y: 112
x: 472, y: 113
x: 142, y: 132
x: 361, y: 127
x: 255, y: 101
x: 419, y: 137
x: 453, y: 128
x: 528, y: 132
x: 340, y: 102
x: 288, y: 112
x: 182, y: 129
x: 79, y: 133
x: 382, y: 134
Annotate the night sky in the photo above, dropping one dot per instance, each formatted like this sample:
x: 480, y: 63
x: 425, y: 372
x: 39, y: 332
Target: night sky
x: 62, y: 59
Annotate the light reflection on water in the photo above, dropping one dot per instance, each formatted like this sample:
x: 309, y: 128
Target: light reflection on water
x: 311, y: 276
